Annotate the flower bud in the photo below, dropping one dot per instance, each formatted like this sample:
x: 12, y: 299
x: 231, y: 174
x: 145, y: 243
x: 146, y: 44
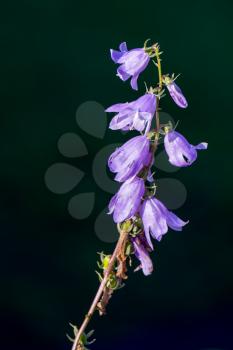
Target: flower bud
x: 175, y: 92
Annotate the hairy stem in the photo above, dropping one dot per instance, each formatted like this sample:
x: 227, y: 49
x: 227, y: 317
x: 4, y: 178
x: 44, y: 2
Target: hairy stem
x: 157, y: 55
x: 100, y: 290
x: 157, y: 115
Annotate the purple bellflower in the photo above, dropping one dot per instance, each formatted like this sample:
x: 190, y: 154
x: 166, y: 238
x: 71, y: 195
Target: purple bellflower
x: 134, y: 115
x: 129, y: 159
x: 156, y: 218
x: 180, y: 152
x: 141, y: 252
x: 125, y: 203
x: 132, y: 63
x: 175, y: 92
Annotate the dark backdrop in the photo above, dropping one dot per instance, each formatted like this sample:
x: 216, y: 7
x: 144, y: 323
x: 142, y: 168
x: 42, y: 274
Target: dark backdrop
x: 55, y: 56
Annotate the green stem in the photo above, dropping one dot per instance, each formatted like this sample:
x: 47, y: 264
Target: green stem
x: 76, y: 343
x: 157, y: 55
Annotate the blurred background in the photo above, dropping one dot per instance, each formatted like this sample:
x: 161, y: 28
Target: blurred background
x: 54, y: 58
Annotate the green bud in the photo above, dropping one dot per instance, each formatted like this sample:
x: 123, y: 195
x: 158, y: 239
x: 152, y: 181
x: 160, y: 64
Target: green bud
x: 112, y: 281
x: 126, y: 225
x: 128, y: 249
x: 105, y: 261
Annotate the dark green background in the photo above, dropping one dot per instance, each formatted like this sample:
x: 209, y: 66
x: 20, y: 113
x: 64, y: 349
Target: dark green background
x: 55, y: 56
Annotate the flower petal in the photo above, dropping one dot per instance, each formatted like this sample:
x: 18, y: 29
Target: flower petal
x: 180, y: 152
x: 177, y: 95
x: 128, y: 199
x: 122, y: 121
x: 159, y: 227
x: 136, y: 115
x: 140, y: 120
x: 202, y: 145
x: 118, y: 107
x: 143, y: 256
x: 129, y: 159
x: 122, y: 74
x: 134, y: 82
x: 145, y: 103
x: 123, y: 47
x: 132, y: 63
x: 116, y: 55
x: 154, y: 220
x: 174, y: 222
x: 111, y: 205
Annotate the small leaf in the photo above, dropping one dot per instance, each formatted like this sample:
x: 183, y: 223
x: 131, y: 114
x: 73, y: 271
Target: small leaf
x: 89, y: 334
x: 128, y: 249
x: 99, y: 275
x: 72, y: 340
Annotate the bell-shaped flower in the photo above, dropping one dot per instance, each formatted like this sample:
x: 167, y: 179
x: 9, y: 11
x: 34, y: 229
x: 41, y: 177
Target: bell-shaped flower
x: 142, y: 253
x: 157, y: 218
x: 132, y: 63
x: 125, y: 203
x: 134, y: 115
x: 180, y: 152
x: 175, y: 92
x: 129, y: 159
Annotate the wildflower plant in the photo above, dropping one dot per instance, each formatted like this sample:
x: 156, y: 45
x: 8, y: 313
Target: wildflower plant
x: 138, y: 214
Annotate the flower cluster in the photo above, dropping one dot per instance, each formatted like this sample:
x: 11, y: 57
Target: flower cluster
x: 132, y: 162
x: 139, y: 215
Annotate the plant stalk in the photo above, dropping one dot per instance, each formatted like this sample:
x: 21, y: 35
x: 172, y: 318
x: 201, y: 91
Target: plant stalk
x: 100, y: 290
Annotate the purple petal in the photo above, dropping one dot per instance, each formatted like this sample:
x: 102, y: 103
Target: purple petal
x: 181, y: 153
x: 123, y: 47
x: 154, y: 221
x: 130, y: 158
x: 132, y: 63
x: 203, y: 145
x: 111, y: 204
x: 136, y: 115
x: 174, y: 222
x: 122, y: 74
x: 132, y: 57
x: 116, y: 55
x: 145, y: 103
x: 128, y: 199
x: 135, y: 61
x: 128, y: 172
x: 134, y: 82
x: 136, y: 71
x: 118, y: 107
x: 143, y: 256
x: 159, y: 228
x: 150, y: 177
x: 177, y: 95
x: 121, y: 121
x: 140, y: 120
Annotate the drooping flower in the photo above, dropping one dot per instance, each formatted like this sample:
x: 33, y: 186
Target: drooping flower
x: 141, y: 252
x: 175, y: 92
x: 132, y: 63
x: 130, y: 158
x: 125, y: 203
x: 180, y: 152
x: 134, y: 115
x: 157, y: 218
